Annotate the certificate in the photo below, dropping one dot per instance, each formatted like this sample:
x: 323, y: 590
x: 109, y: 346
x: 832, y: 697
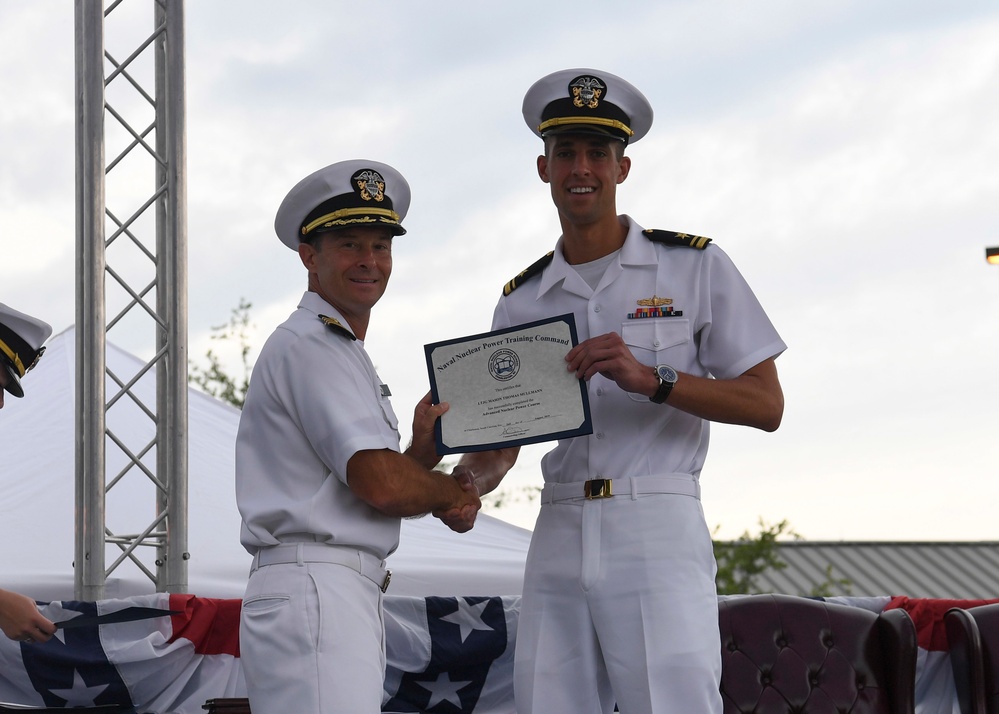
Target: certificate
x: 508, y: 388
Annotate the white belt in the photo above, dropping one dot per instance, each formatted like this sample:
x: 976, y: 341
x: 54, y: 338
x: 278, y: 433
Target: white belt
x: 366, y: 564
x: 633, y: 487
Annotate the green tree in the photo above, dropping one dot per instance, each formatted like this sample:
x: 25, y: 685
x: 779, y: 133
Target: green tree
x: 214, y: 379
x: 825, y: 588
x: 742, y: 560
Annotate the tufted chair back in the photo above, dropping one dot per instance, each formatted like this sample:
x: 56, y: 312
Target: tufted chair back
x: 788, y: 655
x: 973, y: 642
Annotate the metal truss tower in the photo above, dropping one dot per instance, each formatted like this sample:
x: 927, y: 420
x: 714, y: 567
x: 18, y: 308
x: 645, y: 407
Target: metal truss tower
x: 131, y: 279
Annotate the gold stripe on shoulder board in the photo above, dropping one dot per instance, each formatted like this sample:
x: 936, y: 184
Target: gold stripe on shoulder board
x: 335, y: 325
x: 529, y: 272
x: 685, y: 240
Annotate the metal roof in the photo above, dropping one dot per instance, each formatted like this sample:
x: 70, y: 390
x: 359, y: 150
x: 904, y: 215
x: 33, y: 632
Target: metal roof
x: 958, y: 570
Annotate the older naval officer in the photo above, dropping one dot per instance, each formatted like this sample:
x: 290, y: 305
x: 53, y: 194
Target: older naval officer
x: 320, y: 482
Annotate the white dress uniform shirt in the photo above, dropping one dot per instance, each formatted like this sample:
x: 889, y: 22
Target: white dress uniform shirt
x: 708, y: 289
x: 619, y: 599
x: 301, y: 423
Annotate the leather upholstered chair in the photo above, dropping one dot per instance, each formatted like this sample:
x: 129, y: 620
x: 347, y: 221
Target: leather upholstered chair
x: 788, y: 655
x: 973, y: 643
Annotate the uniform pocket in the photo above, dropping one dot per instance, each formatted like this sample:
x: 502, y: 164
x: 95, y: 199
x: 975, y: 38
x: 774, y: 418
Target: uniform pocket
x: 262, y: 604
x: 389, y: 414
x: 655, y: 335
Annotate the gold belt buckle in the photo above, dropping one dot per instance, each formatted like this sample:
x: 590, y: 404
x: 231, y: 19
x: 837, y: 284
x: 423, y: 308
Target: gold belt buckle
x: 597, y: 488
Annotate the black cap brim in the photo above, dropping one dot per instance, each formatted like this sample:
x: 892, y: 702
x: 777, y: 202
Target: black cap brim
x: 583, y: 129
x: 14, y: 383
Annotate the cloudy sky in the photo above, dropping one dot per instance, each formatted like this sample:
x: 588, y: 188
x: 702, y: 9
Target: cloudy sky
x: 843, y: 152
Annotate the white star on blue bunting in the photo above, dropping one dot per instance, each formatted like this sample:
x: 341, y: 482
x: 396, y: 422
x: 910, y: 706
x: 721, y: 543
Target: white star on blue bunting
x: 72, y: 669
x: 443, y: 689
x: 80, y: 695
x: 467, y: 635
x: 468, y: 618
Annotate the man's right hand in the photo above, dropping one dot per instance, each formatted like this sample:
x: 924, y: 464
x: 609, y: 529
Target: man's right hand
x: 461, y: 517
x: 20, y: 619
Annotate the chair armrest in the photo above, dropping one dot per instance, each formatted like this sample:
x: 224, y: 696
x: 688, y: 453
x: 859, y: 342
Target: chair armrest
x: 898, y: 639
x: 964, y: 644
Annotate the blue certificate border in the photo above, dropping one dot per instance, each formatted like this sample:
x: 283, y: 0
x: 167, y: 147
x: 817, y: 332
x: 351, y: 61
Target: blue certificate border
x: 585, y: 428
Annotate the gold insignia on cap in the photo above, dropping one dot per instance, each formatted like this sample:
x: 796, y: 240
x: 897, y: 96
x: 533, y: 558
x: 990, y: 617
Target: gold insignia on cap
x: 655, y: 301
x: 38, y: 356
x: 371, y: 185
x: 586, y: 92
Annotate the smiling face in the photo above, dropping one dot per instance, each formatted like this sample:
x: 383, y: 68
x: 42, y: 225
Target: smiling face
x: 350, y: 269
x: 583, y: 171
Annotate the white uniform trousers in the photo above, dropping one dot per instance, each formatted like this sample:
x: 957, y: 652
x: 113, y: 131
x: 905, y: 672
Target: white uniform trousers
x: 620, y: 606
x: 312, y: 639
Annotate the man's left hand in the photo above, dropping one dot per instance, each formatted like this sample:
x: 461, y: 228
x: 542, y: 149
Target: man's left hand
x: 423, y: 447
x: 609, y: 356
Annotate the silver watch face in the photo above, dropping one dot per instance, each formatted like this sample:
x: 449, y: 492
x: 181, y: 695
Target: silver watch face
x: 666, y: 373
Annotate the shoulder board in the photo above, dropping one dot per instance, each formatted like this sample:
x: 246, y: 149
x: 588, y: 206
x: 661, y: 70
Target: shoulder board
x: 336, y: 326
x: 685, y: 240
x: 529, y: 273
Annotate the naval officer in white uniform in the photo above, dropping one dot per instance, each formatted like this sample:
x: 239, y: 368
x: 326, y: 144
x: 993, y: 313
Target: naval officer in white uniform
x: 619, y: 600
x: 320, y: 482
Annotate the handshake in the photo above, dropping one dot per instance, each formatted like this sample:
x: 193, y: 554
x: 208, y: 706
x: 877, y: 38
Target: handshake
x: 460, y: 517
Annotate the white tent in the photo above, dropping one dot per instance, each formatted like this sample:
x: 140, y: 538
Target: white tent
x: 37, y: 472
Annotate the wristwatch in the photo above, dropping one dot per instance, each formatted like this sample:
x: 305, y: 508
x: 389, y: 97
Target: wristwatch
x: 667, y: 378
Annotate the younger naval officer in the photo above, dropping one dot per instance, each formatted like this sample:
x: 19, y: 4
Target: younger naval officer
x: 619, y: 601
